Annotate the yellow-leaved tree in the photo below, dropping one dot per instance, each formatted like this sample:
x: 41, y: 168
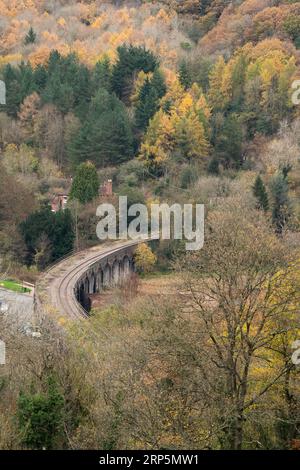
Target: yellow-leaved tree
x: 181, y: 126
x: 158, y: 142
x: 144, y: 258
x: 216, y: 96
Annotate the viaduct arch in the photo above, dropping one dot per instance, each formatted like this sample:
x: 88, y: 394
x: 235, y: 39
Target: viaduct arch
x: 110, y: 271
x: 65, y: 288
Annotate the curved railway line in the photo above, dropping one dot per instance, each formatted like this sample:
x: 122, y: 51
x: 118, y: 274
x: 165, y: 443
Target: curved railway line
x: 56, y: 289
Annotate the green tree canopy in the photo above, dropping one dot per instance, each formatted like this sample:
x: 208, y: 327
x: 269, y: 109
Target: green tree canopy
x: 150, y: 93
x: 41, y: 417
x: 228, y: 137
x: 85, y: 186
x: 281, y: 206
x: 260, y: 193
x: 57, y: 227
x: 102, y: 75
x: 131, y: 59
x: 185, y: 76
x: 30, y: 36
x: 106, y: 136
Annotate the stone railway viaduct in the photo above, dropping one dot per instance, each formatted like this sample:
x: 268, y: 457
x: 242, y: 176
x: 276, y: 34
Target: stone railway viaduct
x: 111, y: 270
x: 65, y: 288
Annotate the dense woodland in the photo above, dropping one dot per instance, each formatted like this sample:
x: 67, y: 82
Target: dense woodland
x: 175, y: 102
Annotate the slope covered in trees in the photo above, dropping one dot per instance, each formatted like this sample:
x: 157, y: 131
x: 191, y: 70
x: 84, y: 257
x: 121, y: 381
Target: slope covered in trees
x: 171, y: 101
x: 173, y: 86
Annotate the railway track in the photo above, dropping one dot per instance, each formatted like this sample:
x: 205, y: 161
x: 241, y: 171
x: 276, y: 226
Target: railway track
x: 56, y: 288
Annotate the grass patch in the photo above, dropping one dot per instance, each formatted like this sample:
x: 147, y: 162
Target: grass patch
x: 156, y: 274
x: 14, y: 286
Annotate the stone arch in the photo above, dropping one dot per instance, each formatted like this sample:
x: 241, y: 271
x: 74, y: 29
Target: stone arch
x: 86, y: 285
x: 91, y: 283
x: 111, y: 271
x: 121, y: 270
x: 94, y: 282
x: 83, y: 294
x: 99, y: 280
x: 115, y: 271
x: 106, y: 275
x: 126, y: 266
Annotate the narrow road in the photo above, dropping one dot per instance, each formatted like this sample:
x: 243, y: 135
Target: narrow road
x: 19, y: 308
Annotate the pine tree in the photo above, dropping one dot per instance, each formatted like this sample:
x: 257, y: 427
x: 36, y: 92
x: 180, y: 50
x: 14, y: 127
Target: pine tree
x: 149, y: 95
x: 106, y: 136
x: 82, y: 91
x: 131, y: 59
x: 78, y: 147
x: 228, y: 141
x: 281, y: 207
x: 68, y: 84
x: 53, y: 61
x: 158, y: 83
x: 30, y: 37
x: 40, y: 75
x: 147, y: 105
x: 260, y: 192
x: 237, y: 80
x: 27, y: 80
x: 20, y: 82
x: 111, y: 138
x: 102, y: 75
x: 184, y: 76
x: 11, y: 77
x: 58, y: 92
x: 85, y: 186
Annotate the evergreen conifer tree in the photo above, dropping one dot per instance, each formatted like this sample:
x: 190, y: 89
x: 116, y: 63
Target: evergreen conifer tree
x: 106, y: 136
x: 260, y: 192
x: 147, y: 105
x: 228, y: 141
x: 158, y: 83
x: 30, y: 37
x: 150, y: 93
x: 184, y: 76
x: 102, y: 75
x: 11, y: 78
x: 131, y: 59
x: 40, y: 76
x: 281, y: 208
x: 85, y: 186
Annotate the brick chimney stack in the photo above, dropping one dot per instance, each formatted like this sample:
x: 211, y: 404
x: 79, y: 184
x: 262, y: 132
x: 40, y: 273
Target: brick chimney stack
x: 109, y: 190
x: 106, y: 188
